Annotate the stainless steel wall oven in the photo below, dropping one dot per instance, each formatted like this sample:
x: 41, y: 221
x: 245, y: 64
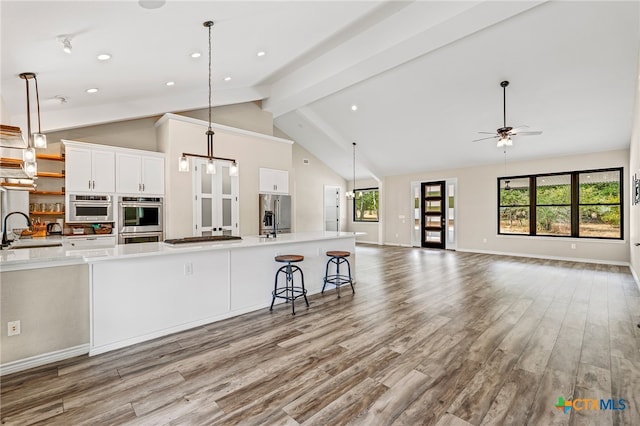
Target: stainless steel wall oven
x: 90, y: 208
x: 138, y: 218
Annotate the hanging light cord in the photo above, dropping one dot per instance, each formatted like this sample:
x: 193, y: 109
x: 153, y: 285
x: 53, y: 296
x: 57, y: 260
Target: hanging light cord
x: 209, y: 132
x: 354, y: 170
x: 37, y: 102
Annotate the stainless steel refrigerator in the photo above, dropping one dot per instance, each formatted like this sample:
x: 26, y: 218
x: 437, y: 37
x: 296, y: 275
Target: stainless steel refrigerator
x: 275, y: 213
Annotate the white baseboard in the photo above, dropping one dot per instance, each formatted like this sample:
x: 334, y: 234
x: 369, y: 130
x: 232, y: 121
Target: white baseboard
x: 38, y: 360
x: 396, y: 244
x: 635, y: 277
x: 538, y: 256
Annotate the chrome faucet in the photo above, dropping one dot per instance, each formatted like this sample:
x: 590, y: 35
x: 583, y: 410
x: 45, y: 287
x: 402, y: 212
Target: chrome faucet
x: 5, y: 241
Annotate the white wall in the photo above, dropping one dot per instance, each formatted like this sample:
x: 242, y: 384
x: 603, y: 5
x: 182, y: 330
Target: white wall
x: 308, y: 191
x: 477, y: 209
x: 634, y: 167
x: 252, y: 151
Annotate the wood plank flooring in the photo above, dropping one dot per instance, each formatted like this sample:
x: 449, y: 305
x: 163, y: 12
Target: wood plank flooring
x: 431, y: 337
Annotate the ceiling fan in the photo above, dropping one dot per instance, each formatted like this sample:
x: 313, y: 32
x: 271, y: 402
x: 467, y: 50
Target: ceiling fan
x: 505, y: 132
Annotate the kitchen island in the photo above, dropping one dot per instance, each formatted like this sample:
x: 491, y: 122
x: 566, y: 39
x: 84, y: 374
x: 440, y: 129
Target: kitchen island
x: 138, y: 292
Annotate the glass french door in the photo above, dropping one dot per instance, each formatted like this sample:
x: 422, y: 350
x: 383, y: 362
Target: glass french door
x: 216, y: 200
x: 433, y: 215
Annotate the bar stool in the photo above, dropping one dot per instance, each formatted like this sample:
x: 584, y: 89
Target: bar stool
x: 289, y: 292
x: 337, y: 258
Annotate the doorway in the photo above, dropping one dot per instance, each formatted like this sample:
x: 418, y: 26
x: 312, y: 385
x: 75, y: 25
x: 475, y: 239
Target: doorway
x: 216, y: 207
x: 331, y: 208
x: 433, y: 215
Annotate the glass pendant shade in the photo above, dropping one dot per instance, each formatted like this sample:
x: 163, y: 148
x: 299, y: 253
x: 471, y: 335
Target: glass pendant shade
x: 39, y: 140
x: 30, y: 168
x: 211, y: 167
x: 29, y: 155
x: 183, y: 164
x: 233, y: 170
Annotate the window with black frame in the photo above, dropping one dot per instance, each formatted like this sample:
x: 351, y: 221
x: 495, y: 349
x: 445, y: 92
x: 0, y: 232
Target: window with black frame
x: 514, y: 206
x: 365, y: 205
x: 579, y: 204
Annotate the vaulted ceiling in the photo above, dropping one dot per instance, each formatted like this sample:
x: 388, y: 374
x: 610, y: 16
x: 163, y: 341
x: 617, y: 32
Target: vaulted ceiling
x: 425, y: 75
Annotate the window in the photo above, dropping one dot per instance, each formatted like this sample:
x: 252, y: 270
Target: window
x: 365, y: 205
x: 553, y: 205
x: 577, y: 204
x: 514, y: 206
x: 600, y: 204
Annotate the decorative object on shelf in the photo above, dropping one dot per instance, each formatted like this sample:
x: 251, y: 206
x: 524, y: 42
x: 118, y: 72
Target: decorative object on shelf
x: 183, y: 161
x: 352, y: 194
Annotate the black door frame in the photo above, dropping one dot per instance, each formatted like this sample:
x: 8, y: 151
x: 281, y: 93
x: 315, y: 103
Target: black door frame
x: 441, y: 213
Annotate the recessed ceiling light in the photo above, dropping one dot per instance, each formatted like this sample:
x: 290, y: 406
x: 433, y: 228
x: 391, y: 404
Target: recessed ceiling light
x: 170, y: 83
x: 262, y: 53
x: 227, y: 78
x: 93, y: 90
x: 104, y: 57
x: 196, y: 54
x: 354, y: 107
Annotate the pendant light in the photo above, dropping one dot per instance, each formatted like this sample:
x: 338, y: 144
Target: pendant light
x: 352, y: 194
x: 34, y: 140
x: 210, y: 168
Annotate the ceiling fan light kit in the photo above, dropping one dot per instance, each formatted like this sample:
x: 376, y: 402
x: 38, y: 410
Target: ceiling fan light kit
x: 505, y: 132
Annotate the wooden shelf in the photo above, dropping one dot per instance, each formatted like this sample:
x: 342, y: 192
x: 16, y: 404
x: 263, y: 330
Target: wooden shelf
x: 50, y: 175
x: 8, y: 162
x: 17, y: 185
x: 53, y: 157
x: 48, y: 193
x: 47, y: 213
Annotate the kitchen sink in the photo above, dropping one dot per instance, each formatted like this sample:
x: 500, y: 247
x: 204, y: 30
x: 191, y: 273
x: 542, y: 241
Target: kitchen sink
x: 211, y: 238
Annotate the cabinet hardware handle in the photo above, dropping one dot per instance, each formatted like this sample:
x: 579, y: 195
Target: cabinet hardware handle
x: 143, y: 187
x: 89, y: 183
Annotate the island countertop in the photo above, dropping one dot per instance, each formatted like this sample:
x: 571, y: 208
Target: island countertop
x: 43, y: 257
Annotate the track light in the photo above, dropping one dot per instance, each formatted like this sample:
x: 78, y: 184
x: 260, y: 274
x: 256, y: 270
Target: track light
x: 66, y: 44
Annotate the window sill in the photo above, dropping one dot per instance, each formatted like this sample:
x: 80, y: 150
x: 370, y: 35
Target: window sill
x: 550, y: 238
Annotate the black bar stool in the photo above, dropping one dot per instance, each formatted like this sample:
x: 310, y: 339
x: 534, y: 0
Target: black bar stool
x: 289, y: 292
x: 337, y: 258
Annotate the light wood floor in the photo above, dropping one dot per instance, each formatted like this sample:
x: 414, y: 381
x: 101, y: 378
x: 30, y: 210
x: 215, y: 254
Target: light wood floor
x: 430, y: 337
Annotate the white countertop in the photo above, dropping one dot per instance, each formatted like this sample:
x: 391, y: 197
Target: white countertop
x: 22, y: 259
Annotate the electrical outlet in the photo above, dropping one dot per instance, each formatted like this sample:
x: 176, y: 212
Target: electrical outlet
x: 13, y: 328
x: 484, y: 240
x: 188, y: 268
x: 573, y: 245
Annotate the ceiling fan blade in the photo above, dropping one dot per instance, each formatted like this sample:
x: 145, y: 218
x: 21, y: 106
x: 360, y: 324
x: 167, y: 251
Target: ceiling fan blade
x: 487, y: 133
x: 484, y: 139
x: 531, y: 133
x: 517, y: 129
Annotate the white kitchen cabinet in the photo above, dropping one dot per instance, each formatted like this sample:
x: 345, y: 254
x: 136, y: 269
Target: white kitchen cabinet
x: 89, y: 170
x: 139, y: 174
x: 274, y: 181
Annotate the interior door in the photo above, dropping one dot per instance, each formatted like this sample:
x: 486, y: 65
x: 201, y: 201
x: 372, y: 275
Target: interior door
x: 331, y: 208
x: 216, y: 200
x: 434, y: 214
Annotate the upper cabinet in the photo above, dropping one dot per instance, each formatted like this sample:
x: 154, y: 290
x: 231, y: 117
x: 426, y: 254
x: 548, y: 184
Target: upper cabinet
x: 140, y: 174
x: 89, y: 169
x: 274, y: 181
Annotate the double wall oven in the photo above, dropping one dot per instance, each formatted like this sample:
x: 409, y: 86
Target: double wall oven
x: 139, y: 220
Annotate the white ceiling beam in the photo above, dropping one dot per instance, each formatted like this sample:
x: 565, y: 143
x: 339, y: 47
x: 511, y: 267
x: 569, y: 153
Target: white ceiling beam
x: 403, y: 36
